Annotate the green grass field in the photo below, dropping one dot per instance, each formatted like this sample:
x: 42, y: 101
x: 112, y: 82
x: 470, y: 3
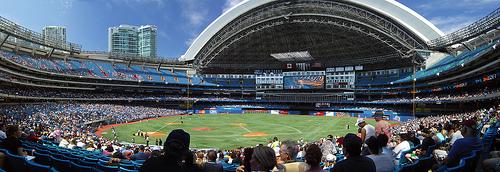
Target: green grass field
x: 228, y: 130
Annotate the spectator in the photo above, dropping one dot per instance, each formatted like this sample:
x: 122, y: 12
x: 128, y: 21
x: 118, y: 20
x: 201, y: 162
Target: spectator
x: 354, y: 161
x: 141, y: 155
x: 108, y: 151
x: 211, y: 165
x: 427, y: 142
x: 457, y: 134
x: 263, y: 159
x: 367, y: 131
x: 382, y: 126
x: 383, y: 140
x: 383, y: 162
x: 328, y: 147
x: 247, y: 154
x: 3, y: 136
x: 403, y: 145
x: 313, y: 158
x: 287, y: 157
x: 12, y: 142
x: 465, y: 145
x: 200, y: 158
x: 176, y: 151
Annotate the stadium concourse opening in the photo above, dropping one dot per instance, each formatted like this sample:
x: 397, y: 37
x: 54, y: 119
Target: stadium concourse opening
x: 268, y: 85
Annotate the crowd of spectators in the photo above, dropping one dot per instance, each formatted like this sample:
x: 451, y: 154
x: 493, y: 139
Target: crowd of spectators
x: 74, y: 125
x: 374, y: 148
x: 82, y: 94
x: 447, y: 97
x: 379, y: 147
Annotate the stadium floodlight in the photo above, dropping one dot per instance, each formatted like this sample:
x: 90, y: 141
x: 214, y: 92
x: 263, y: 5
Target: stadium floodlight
x: 293, y: 56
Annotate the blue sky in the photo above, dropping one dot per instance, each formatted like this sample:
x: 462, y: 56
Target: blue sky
x: 180, y: 21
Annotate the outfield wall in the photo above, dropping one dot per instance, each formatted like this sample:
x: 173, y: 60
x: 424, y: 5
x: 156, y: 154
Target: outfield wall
x: 361, y: 113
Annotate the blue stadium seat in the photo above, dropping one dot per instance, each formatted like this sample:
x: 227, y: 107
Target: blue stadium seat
x: 425, y: 163
x: 458, y: 168
x: 1, y: 170
x: 139, y: 161
x: 471, y: 161
x: 107, y: 168
x: 43, y: 159
x: 60, y: 165
x: 127, y: 166
x: 127, y: 170
x: 86, y: 163
x: 80, y: 168
x: 35, y: 167
x: 88, y: 159
x: 410, y: 168
x: 16, y: 163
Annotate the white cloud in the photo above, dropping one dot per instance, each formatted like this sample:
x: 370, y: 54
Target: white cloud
x: 452, y: 23
x: 191, y: 39
x: 457, y: 4
x: 230, y: 4
x: 133, y: 3
x: 163, y: 34
x: 194, y: 11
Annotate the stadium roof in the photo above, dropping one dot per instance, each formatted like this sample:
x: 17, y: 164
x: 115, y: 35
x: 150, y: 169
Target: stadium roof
x: 335, y: 33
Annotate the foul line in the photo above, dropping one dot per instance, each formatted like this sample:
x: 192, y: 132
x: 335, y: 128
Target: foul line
x: 166, y: 125
x: 245, y: 128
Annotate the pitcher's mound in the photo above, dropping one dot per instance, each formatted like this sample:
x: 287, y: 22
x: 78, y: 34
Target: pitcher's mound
x: 202, y: 129
x: 255, y: 134
x: 156, y: 134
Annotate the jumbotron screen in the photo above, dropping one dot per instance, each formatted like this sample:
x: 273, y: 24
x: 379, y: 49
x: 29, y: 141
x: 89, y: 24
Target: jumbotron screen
x: 304, y: 82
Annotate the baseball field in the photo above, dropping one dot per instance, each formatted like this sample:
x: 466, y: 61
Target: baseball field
x: 224, y: 131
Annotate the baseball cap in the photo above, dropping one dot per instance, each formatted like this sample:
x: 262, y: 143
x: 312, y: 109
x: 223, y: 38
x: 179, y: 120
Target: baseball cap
x: 359, y: 121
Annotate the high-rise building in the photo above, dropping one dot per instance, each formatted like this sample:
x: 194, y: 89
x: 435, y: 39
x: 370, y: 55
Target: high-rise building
x: 54, y: 33
x: 133, y: 40
x: 147, y: 41
x: 123, y: 39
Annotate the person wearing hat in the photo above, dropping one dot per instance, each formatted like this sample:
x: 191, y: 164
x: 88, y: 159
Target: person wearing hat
x: 367, y: 131
x: 464, y: 146
x: 426, y: 142
x: 176, y: 151
x: 354, y: 161
x: 382, y: 126
x: 328, y: 147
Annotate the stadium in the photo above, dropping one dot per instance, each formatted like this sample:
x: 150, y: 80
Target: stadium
x: 269, y: 85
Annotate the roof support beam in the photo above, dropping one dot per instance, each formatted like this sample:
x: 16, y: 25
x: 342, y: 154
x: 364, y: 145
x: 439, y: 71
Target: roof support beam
x: 4, y: 40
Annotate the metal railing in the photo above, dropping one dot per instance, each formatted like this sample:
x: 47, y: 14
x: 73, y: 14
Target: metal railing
x: 483, y: 25
x: 21, y: 32
x: 137, y: 58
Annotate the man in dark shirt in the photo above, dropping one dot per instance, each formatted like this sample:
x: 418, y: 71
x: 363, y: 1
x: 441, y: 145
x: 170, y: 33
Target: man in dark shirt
x: 212, y: 165
x: 464, y: 146
x: 354, y: 161
x: 140, y: 155
x: 177, y: 156
x: 12, y: 143
x: 427, y: 142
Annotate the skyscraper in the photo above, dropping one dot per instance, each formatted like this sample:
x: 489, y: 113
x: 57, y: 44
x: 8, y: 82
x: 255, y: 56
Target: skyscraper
x: 133, y: 40
x: 123, y: 39
x: 147, y: 41
x: 55, y: 33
